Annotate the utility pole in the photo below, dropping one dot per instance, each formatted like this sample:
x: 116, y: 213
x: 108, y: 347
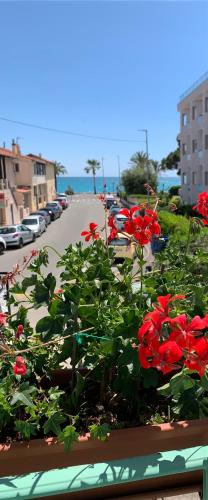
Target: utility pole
x: 119, y: 171
x: 147, y: 157
x: 103, y: 173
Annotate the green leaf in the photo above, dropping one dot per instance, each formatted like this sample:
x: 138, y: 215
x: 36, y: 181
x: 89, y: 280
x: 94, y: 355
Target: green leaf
x: 27, y: 429
x: 151, y: 378
x: 22, y: 397
x: 164, y: 390
x: 49, y: 326
x: 29, y: 281
x: 68, y: 436
x: 99, y: 431
x: 203, y: 408
x: 53, y: 424
x: 76, y: 393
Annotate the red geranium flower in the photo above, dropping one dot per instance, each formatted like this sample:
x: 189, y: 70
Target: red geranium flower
x: 202, y: 206
x: 141, y: 227
x: 197, y: 358
x: 19, y: 367
x: 3, y: 319
x: 34, y: 253
x: 19, y: 331
x: 91, y: 233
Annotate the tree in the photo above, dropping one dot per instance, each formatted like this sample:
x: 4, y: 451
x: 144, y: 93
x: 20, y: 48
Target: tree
x: 92, y: 167
x: 59, y: 169
x: 141, y: 172
x: 171, y: 161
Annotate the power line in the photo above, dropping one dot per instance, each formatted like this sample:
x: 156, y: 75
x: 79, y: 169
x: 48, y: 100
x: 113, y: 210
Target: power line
x: 67, y: 132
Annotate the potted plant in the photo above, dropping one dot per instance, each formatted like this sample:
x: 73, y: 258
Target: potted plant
x: 136, y: 357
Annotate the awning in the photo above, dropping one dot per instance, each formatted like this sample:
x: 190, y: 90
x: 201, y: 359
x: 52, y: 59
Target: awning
x: 23, y: 190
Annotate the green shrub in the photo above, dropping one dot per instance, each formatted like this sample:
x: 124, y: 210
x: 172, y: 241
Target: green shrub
x: 173, y: 225
x: 69, y: 190
x: 176, y: 200
x: 174, y: 190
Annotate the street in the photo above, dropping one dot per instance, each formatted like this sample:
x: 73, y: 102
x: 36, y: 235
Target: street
x: 60, y: 233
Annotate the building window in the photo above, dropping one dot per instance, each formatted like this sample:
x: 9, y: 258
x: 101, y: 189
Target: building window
x: 206, y: 104
x: 184, y: 119
x: 194, y: 178
x: 193, y: 112
x: 16, y: 167
x: 206, y: 178
x: 184, y: 149
x: 206, y: 141
x: 39, y: 168
x: 184, y: 179
x: 194, y: 146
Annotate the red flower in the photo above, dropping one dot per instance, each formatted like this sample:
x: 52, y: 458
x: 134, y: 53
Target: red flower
x: 19, y: 367
x: 142, y: 228
x: 101, y: 197
x: 34, y: 253
x: 169, y: 353
x: 129, y: 213
x: 197, y: 358
x: 112, y: 235
x: 91, y: 233
x: 185, y: 332
x: 202, y: 206
x: 19, y: 331
x: 3, y: 319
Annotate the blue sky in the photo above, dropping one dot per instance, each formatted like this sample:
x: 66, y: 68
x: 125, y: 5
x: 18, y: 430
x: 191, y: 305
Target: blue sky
x: 98, y: 68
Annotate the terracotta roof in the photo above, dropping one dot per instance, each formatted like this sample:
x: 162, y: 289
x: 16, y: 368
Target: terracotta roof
x: 9, y: 154
x: 43, y: 160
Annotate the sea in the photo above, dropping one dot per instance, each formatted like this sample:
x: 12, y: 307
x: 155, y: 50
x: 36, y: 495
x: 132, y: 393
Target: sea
x: 85, y: 184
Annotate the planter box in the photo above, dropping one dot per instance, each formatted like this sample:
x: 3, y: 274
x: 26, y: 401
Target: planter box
x: 122, y: 446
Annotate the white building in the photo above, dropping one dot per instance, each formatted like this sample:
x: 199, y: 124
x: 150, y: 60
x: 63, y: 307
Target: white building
x: 193, y: 108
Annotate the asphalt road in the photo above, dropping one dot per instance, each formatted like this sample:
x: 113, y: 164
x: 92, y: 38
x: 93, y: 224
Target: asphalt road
x: 82, y: 210
x: 60, y: 233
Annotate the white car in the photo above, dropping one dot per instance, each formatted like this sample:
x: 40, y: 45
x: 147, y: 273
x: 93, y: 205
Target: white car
x: 2, y: 245
x: 16, y: 235
x: 120, y: 220
x: 35, y: 223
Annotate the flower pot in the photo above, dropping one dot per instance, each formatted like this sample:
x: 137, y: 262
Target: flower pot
x: 44, y: 455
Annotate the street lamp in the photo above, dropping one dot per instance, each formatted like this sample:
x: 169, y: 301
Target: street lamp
x: 103, y: 173
x: 147, y: 157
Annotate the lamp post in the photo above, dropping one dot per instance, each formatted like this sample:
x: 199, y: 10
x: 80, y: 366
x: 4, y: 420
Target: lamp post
x: 147, y: 156
x: 103, y: 173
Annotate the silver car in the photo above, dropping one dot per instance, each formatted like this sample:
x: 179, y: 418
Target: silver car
x: 16, y: 235
x: 120, y: 220
x: 36, y: 223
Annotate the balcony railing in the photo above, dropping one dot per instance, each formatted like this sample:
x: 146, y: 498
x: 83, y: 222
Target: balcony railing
x: 80, y: 478
x: 198, y: 82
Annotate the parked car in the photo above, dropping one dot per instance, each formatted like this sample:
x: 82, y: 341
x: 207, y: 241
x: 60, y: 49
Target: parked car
x: 123, y: 247
x: 36, y: 223
x: 2, y: 245
x: 54, y: 212
x: 62, y: 202
x: 120, y: 220
x: 44, y: 214
x: 114, y: 210
x: 55, y: 204
x: 109, y: 201
x: 17, y: 235
x: 63, y: 196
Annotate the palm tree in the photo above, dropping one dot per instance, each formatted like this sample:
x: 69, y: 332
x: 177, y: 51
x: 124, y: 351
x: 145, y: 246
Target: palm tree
x: 59, y: 169
x: 92, y: 167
